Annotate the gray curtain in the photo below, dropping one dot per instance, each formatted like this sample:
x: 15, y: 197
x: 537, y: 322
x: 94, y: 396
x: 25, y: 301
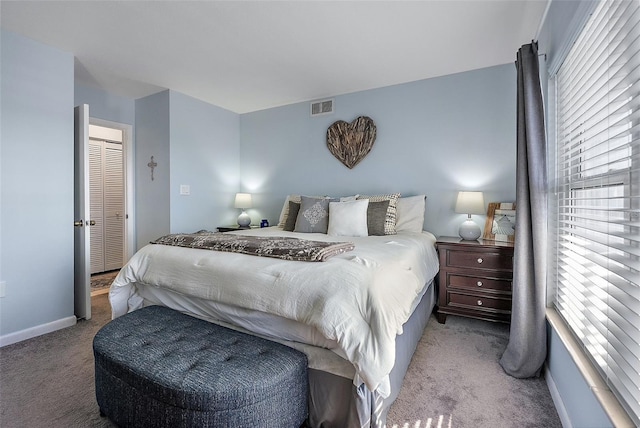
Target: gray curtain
x: 527, y: 348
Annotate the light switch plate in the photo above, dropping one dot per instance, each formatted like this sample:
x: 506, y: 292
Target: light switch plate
x: 185, y: 189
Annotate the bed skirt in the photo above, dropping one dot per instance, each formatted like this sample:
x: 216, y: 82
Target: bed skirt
x: 335, y: 402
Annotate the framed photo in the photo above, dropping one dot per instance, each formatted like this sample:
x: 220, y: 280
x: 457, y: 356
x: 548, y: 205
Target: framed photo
x: 501, y: 222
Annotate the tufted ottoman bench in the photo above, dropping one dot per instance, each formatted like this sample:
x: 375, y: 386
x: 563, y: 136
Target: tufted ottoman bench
x: 156, y: 367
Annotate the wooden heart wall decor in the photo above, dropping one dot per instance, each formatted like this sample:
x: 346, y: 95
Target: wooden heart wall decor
x: 351, y: 142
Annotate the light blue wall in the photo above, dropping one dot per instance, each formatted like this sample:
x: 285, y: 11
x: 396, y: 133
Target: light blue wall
x: 434, y: 136
x: 36, y: 209
x: 205, y: 155
x: 152, y: 135
x: 582, y: 407
x: 194, y: 144
x: 106, y: 106
x: 563, y: 19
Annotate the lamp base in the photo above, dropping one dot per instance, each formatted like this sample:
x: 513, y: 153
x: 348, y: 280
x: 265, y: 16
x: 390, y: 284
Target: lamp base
x: 469, y: 231
x: 244, y: 220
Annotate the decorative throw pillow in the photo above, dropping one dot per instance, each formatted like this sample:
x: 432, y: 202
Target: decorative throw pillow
x: 348, y: 218
x: 313, y: 216
x: 284, y: 214
x: 376, y: 217
x: 292, y: 216
x: 410, y: 214
x: 390, y: 219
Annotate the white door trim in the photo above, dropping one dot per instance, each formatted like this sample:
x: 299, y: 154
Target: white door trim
x: 81, y: 213
x: 129, y: 205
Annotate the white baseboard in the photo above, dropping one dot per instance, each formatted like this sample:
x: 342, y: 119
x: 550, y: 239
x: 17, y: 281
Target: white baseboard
x: 557, y: 400
x: 19, y: 336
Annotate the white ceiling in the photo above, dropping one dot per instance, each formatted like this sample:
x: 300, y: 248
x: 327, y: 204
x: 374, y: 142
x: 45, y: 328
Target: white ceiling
x: 251, y: 55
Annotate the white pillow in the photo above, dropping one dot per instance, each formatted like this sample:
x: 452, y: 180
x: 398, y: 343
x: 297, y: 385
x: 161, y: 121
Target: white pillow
x: 348, y: 218
x: 410, y: 214
x: 348, y: 198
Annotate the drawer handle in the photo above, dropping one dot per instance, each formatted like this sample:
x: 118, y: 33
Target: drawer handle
x: 479, y: 283
x: 480, y: 260
x: 479, y: 302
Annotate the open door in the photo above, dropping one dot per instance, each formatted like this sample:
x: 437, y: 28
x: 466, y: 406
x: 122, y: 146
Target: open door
x: 81, y: 212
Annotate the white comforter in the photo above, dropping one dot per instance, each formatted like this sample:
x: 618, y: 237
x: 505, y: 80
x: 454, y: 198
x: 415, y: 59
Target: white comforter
x: 359, y: 299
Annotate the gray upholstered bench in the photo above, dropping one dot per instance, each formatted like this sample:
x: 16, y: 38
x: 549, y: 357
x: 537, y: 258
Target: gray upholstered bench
x: 156, y: 367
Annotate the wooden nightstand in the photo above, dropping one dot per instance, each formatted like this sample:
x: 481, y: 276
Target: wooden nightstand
x: 475, y: 279
x: 232, y: 228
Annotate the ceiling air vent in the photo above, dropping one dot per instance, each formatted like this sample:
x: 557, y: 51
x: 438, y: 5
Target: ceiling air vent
x: 321, y: 107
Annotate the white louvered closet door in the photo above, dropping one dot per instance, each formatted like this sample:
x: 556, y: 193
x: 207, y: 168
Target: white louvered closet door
x: 107, y: 205
x: 96, y: 177
x: 113, y: 206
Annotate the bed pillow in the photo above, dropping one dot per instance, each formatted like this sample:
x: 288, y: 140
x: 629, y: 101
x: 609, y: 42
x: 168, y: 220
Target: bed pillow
x: 284, y: 213
x: 348, y: 218
x: 410, y: 214
x: 390, y: 218
x: 313, y: 216
x: 376, y: 217
x: 348, y: 198
x: 292, y: 216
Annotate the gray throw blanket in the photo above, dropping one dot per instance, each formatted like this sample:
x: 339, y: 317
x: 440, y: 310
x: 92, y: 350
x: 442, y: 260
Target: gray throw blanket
x: 266, y: 246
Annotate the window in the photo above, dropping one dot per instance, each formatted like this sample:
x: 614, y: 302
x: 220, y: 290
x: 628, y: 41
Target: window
x: 595, y: 196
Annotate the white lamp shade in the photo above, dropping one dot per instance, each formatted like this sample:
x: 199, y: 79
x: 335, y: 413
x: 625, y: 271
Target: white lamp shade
x: 243, y: 200
x: 470, y: 203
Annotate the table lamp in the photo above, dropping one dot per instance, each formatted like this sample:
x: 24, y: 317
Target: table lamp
x: 243, y: 201
x: 469, y: 203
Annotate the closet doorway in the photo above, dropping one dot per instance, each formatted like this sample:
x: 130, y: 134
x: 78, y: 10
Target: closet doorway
x: 111, y: 237
x: 106, y: 182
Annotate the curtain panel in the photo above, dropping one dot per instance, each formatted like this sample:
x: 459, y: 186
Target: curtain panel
x: 527, y: 348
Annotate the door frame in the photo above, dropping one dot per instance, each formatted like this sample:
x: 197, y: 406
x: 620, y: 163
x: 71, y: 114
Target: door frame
x: 81, y: 212
x: 129, y: 182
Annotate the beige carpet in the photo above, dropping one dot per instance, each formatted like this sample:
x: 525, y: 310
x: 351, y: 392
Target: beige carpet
x: 454, y: 380
x: 48, y: 381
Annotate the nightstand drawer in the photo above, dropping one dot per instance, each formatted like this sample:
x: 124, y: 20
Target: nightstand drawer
x: 479, y: 260
x: 476, y: 302
x: 478, y: 283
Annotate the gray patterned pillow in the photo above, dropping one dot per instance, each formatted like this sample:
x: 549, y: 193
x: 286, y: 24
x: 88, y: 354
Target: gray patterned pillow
x: 313, y: 216
x: 376, y: 217
x: 390, y: 218
x: 284, y: 214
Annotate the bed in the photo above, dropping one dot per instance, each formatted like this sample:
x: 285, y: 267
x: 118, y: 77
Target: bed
x: 357, y: 316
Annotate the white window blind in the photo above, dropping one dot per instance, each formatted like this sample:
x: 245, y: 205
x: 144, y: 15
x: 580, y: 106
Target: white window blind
x: 595, y: 205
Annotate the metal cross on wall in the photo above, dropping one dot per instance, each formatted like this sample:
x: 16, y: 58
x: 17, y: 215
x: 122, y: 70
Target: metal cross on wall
x: 152, y: 165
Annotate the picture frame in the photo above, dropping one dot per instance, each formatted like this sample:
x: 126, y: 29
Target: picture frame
x: 501, y: 222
